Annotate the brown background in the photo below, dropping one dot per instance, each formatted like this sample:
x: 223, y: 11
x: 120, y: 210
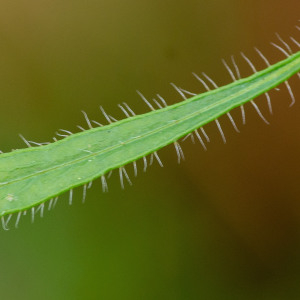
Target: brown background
x: 222, y: 225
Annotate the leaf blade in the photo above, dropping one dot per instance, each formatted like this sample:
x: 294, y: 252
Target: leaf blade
x: 31, y: 176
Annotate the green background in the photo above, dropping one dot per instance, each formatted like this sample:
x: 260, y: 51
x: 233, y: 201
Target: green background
x: 225, y: 224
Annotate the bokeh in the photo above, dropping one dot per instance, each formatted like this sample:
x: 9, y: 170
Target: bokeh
x: 224, y: 224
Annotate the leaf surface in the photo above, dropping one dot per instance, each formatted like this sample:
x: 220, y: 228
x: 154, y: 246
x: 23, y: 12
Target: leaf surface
x: 31, y: 176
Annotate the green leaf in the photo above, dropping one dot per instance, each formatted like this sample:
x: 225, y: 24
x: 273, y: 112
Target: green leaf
x: 31, y: 176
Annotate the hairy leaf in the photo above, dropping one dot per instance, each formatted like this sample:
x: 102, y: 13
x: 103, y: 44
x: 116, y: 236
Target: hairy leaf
x: 31, y: 176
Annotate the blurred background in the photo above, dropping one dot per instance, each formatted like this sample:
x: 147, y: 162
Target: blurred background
x: 224, y: 224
